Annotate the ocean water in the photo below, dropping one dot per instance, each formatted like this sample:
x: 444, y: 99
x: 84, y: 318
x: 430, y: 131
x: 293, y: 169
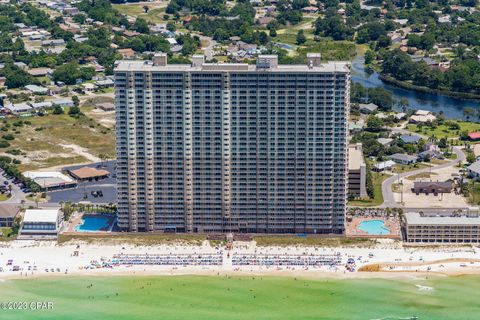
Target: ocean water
x: 221, y: 297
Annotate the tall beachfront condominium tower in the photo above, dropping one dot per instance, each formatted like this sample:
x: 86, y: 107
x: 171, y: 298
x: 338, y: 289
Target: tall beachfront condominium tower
x: 211, y: 147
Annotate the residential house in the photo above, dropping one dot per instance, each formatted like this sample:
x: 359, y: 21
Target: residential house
x: 382, y: 166
x: 409, y: 138
x: 127, y: 53
x: 473, y: 170
x: 367, y: 108
x: 310, y: 9
x: 403, y: 158
x: 40, y: 72
x: 33, y: 88
x: 107, y: 83
x: 386, y: 142
x: 474, y: 136
x: 18, y: 107
x: 63, y: 102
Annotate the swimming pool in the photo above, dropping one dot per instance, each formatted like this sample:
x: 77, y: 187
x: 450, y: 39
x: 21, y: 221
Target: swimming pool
x: 374, y: 227
x: 95, y: 223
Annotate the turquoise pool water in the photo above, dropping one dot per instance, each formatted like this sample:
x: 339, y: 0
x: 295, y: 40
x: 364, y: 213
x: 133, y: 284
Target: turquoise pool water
x: 374, y: 227
x: 94, y: 223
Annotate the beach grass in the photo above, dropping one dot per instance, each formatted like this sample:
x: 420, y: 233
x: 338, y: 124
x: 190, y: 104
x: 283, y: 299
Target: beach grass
x: 135, y: 239
x: 40, y: 139
x: 292, y: 240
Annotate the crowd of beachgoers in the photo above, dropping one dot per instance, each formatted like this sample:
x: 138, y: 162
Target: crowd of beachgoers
x: 30, y: 258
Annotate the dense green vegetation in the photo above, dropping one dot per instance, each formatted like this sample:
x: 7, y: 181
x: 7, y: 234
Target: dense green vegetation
x: 462, y: 76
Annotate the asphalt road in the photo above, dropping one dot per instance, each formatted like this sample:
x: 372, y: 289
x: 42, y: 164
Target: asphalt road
x: 388, y: 198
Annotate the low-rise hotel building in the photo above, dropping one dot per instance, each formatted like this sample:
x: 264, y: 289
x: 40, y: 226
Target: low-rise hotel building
x: 452, y: 228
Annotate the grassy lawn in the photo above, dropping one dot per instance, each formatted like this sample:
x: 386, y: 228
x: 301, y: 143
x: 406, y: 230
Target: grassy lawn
x: 474, y: 194
x: 331, y: 50
x: 424, y: 175
x: 289, y: 35
x: 311, y: 241
x: 40, y: 140
x: 5, y: 232
x: 400, y: 168
x: 4, y: 197
x: 377, y: 179
x: 154, y: 15
x: 443, y: 131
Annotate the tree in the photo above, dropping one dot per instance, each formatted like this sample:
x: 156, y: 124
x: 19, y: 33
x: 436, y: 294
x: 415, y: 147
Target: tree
x: 374, y: 124
x: 301, y: 39
x: 381, y: 98
x: 141, y: 25
x: 471, y: 157
x: 145, y: 9
x: 74, y: 111
x: 369, y: 56
x: 76, y: 101
x: 57, y: 109
x: 171, y: 26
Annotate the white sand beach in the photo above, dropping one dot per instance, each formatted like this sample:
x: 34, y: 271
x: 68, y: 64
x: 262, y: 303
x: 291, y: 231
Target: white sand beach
x: 26, y: 259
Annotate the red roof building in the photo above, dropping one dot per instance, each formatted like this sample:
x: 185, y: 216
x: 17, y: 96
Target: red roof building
x: 474, y: 135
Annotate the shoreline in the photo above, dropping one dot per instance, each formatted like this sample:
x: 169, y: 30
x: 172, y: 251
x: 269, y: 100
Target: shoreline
x: 387, y: 260
x: 408, y: 86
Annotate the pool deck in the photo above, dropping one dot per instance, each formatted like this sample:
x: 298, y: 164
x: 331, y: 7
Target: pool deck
x: 353, y: 230
x: 76, y: 220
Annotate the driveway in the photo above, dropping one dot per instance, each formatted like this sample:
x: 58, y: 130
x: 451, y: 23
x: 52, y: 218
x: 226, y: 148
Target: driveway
x: 388, y: 197
x: 208, y: 51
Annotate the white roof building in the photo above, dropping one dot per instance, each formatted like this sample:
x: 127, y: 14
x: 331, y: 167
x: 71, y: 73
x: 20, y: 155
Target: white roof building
x: 49, y: 180
x: 41, y: 215
x: 41, y: 224
x: 384, y: 165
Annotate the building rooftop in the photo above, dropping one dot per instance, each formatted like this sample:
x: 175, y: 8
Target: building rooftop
x: 416, y: 218
x: 8, y: 210
x: 48, y: 179
x: 267, y: 63
x: 475, y: 167
x: 88, y: 173
x: 41, y: 215
x: 424, y: 184
x: 385, y: 164
x: 355, y: 157
x: 409, y: 138
x: 403, y: 157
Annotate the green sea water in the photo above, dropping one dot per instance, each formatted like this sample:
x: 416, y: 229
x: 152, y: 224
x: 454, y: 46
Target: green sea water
x: 250, y: 298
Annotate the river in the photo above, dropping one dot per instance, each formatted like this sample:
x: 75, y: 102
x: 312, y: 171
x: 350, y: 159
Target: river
x: 451, y: 107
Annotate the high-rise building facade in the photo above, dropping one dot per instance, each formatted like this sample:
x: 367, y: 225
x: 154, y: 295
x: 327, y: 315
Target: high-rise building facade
x: 232, y: 147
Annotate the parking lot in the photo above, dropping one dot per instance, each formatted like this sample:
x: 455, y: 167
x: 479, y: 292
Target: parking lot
x: 101, y: 191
